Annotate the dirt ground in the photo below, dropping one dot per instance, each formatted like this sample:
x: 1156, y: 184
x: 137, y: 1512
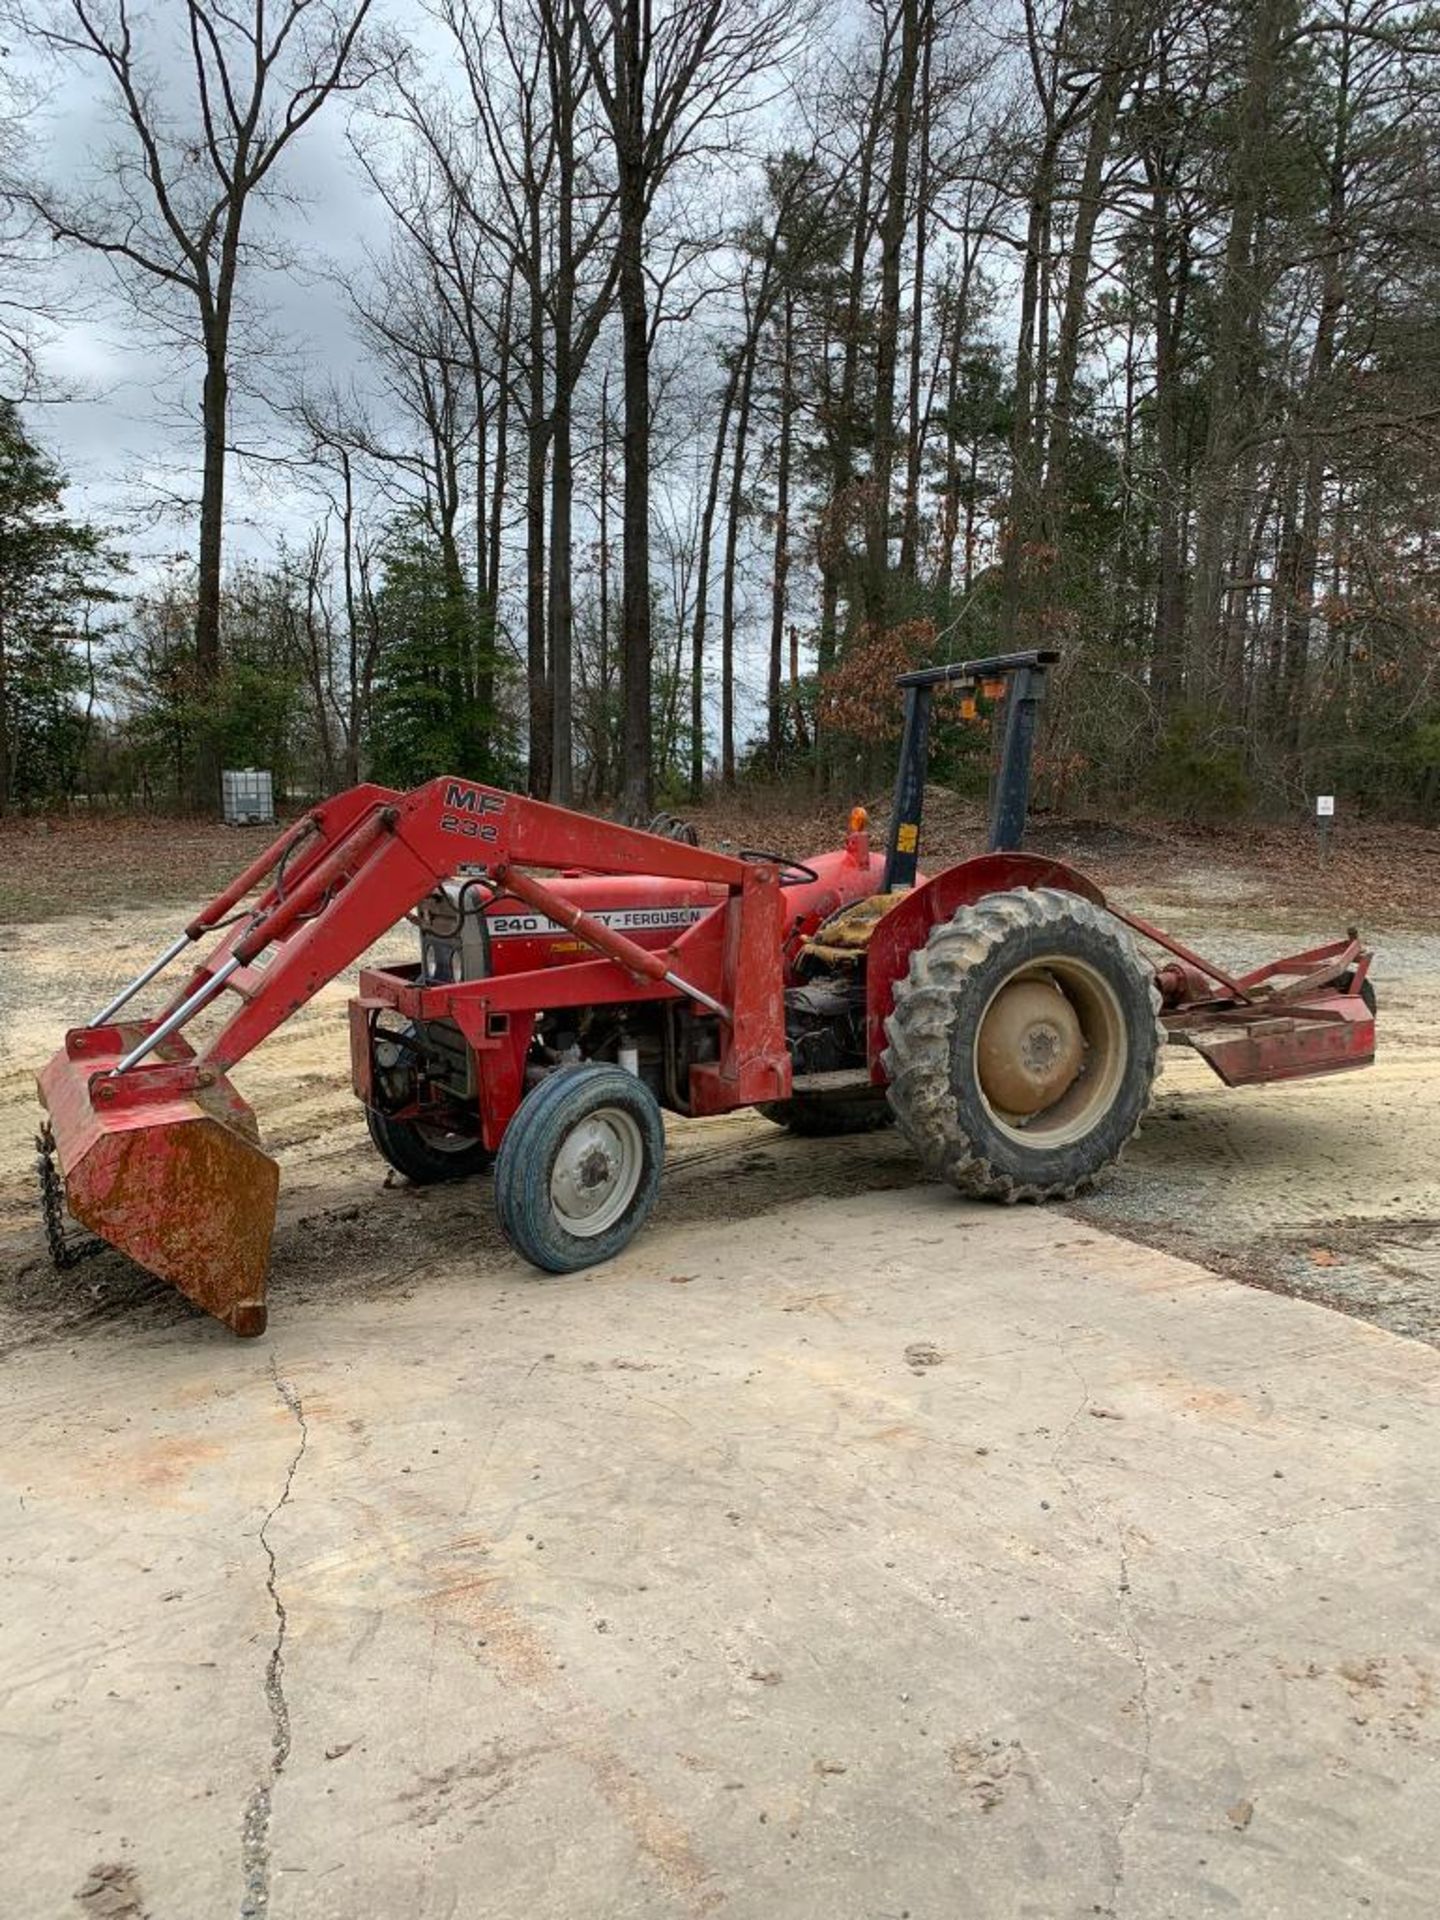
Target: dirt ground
x: 1329, y: 1189
x: 842, y: 1551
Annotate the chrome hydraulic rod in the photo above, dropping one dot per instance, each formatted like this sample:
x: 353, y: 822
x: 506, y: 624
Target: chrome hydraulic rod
x: 157, y: 965
x: 635, y: 959
x: 206, y: 991
x: 694, y: 993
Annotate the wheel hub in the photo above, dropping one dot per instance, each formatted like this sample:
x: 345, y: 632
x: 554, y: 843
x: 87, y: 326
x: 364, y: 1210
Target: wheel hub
x: 1031, y: 1047
x: 596, y: 1172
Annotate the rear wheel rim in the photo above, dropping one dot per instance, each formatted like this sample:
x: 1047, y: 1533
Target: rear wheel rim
x: 1093, y: 1004
x: 597, y: 1172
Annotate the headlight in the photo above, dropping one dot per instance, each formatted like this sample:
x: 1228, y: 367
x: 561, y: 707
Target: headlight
x: 457, y: 964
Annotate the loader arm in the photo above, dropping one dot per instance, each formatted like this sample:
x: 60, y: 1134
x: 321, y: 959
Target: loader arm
x: 159, y: 1153
x: 363, y: 861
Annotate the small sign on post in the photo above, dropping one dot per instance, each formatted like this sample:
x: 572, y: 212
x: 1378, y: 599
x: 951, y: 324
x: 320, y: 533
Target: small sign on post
x: 1324, y: 821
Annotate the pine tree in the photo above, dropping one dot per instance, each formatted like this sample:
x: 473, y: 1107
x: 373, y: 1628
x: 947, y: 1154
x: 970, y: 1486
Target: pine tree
x: 51, y: 570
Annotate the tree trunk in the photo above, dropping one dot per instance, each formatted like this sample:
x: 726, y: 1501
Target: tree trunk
x: 1022, y: 513
x: 499, y: 478
x: 485, y: 609
x: 833, y: 555
x: 5, y: 755
x: 958, y: 318
x: 732, y: 540
x: 1299, y: 587
x: 702, y: 589
x: 915, y: 446
x: 357, y: 651
x: 319, y: 661
x: 537, y: 434
x: 214, y: 408
x: 562, y: 607
x: 638, y: 787
x: 887, y: 330
x: 601, y: 771
x: 1077, y: 295
x: 781, y: 568
x: 1230, y: 415
x: 802, y: 737
x: 1167, y: 283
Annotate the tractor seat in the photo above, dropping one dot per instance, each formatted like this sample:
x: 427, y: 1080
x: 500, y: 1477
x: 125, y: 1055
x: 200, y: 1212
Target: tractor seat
x: 842, y: 940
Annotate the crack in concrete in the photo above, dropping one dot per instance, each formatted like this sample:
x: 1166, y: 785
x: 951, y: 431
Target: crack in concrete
x: 1124, y: 1610
x: 255, y: 1828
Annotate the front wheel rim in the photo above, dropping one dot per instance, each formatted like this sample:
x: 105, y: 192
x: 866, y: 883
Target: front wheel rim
x: 1095, y: 1008
x: 597, y: 1172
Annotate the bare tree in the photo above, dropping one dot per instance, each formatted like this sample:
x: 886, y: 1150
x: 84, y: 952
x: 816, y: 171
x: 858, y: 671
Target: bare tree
x: 27, y: 298
x: 671, y: 79
x: 915, y: 26
x: 702, y: 585
x: 199, y: 136
x: 515, y: 162
x: 863, y: 115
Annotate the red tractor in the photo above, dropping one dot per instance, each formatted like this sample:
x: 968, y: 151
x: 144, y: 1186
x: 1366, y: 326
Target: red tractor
x: 998, y: 1011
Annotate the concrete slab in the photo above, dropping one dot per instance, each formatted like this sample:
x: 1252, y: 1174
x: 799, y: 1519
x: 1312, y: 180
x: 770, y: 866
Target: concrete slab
x: 887, y: 1557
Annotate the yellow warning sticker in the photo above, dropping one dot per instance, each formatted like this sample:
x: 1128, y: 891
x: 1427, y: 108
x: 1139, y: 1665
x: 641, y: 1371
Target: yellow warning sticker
x: 908, y: 838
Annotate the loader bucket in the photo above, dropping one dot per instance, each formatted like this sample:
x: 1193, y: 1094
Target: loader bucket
x: 167, y: 1171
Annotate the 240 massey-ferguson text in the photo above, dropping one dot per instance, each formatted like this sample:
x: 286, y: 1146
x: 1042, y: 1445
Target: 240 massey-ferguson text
x: 998, y: 1011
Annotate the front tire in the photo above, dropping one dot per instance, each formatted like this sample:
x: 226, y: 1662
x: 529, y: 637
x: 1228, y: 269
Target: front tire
x: 1023, y: 1046
x: 579, y: 1168
x: 425, y: 1154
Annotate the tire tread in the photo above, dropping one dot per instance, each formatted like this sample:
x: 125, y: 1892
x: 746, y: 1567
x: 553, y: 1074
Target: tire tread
x: 527, y: 1153
x: 918, y: 1032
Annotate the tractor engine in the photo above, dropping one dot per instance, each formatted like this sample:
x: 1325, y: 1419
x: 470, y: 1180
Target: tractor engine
x: 825, y: 1023
x: 423, y: 1080
x: 467, y: 932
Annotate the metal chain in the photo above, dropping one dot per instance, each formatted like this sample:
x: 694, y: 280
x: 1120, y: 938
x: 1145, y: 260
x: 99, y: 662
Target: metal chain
x: 67, y: 1246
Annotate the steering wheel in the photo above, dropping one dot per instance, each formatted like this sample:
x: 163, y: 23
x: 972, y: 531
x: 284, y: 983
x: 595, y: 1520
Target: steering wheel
x: 793, y: 873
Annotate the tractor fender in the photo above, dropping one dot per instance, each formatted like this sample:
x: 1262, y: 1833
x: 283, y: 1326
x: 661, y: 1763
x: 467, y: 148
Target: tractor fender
x: 907, y: 925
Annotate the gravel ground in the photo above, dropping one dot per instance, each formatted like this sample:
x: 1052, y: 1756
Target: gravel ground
x: 1328, y: 1189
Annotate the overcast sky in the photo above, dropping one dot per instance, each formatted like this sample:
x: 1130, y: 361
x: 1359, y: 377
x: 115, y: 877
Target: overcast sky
x: 125, y: 420
x: 123, y: 415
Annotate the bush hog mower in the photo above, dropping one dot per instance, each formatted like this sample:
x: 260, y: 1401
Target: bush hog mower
x: 998, y: 1011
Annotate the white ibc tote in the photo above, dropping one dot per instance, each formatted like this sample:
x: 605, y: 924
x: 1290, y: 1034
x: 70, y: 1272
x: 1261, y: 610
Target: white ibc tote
x: 249, y: 797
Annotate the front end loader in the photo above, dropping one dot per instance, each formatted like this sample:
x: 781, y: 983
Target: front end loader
x: 577, y: 979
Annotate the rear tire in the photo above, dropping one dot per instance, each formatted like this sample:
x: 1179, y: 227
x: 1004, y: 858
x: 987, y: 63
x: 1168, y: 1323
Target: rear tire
x: 578, y: 1171
x: 425, y: 1155
x: 1075, y: 1050
x: 824, y: 1119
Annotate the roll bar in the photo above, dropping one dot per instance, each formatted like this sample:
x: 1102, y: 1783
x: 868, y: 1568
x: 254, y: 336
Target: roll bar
x: 1010, y: 794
